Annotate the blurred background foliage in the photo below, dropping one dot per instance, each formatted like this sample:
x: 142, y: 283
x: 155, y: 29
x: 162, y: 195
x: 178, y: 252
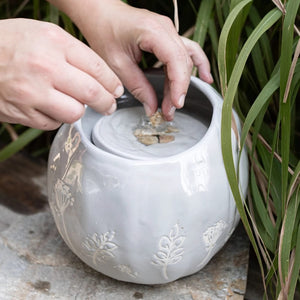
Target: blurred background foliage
x: 253, y: 47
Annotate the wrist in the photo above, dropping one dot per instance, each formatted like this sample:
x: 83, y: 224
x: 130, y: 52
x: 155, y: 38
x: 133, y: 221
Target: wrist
x: 87, y: 13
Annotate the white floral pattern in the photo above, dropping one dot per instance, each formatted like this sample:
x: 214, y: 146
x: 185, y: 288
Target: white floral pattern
x: 100, y: 247
x: 72, y: 143
x: 170, y: 251
x: 68, y: 183
x: 213, y: 233
x: 63, y: 196
x: 211, y: 237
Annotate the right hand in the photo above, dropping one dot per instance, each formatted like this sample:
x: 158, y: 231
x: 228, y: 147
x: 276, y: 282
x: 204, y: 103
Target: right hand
x: 120, y: 33
x: 47, y: 76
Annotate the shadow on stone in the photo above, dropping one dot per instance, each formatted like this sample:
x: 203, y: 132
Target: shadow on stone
x: 22, y: 185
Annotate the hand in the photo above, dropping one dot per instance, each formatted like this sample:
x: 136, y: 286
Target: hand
x: 47, y: 76
x: 119, y: 33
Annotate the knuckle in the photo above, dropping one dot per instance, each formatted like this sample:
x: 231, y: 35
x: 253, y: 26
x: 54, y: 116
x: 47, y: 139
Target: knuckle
x: 75, y: 114
x: 20, y: 92
x: 52, y: 32
x: 117, y: 63
x: 157, y: 24
x: 137, y: 92
x: 97, y: 69
x: 91, y: 92
x: 190, y: 64
x: 166, y: 21
x: 40, y: 64
x: 181, y: 55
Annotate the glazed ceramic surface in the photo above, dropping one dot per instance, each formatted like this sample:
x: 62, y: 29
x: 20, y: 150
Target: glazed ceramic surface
x: 141, y: 214
x: 115, y: 134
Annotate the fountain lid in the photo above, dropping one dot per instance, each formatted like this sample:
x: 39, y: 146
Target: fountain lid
x: 116, y: 134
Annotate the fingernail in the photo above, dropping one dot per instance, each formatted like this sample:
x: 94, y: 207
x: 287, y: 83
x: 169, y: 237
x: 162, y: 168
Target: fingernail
x: 181, y: 100
x: 147, y: 109
x: 209, y: 78
x: 119, y: 91
x: 112, y: 108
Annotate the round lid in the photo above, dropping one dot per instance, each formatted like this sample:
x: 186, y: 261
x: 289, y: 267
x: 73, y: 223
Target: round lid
x: 127, y: 133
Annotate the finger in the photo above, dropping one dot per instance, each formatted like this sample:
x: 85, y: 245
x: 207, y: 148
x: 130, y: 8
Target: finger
x: 174, y: 56
x: 29, y: 117
x: 84, y: 58
x: 138, y: 85
x: 83, y: 88
x: 199, y: 59
x: 42, y: 121
x: 60, y: 107
x: 167, y: 107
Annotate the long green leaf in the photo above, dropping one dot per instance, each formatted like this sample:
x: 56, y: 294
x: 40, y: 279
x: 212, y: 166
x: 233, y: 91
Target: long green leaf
x: 265, y: 228
x: 296, y: 268
x: 24, y: 139
x: 285, y: 65
x: 286, y: 238
x: 259, y: 103
x: 203, y: 18
x: 229, y: 95
x: 223, y: 42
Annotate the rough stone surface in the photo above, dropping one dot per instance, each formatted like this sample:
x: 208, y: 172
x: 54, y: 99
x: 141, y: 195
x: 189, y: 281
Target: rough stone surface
x: 35, y: 263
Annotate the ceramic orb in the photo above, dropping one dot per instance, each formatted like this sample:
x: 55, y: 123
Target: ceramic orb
x: 145, y: 214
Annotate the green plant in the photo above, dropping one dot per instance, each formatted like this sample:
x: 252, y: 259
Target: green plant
x: 259, y: 76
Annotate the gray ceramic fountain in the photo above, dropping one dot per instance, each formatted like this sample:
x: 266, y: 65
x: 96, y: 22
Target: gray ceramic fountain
x: 145, y: 213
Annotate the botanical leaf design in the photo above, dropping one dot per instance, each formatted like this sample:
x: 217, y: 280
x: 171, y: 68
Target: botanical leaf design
x: 170, y: 251
x: 63, y: 196
x: 210, y: 238
x: 71, y: 143
x: 212, y: 234
x: 100, y: 246
x: 73, y: 175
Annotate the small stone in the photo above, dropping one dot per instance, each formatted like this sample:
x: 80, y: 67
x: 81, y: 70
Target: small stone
x: 171, y: 129
x: 155, y: 130
x: 163, y: 139
x: 157, y: 119
x: 144, y: 131
x: 148, y: 139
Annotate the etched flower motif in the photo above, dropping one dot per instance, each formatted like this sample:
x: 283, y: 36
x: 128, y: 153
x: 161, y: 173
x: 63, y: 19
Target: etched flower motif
x: 73, y: 175
x: 126, y: 269
x: 100, y: 246
x: 213, y: 233
x: 210, y: 238
x: 71, y: 143
x: 170, y: 251
x: 63, y: 196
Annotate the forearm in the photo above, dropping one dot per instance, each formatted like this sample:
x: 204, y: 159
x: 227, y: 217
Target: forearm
x: 87, y: 14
